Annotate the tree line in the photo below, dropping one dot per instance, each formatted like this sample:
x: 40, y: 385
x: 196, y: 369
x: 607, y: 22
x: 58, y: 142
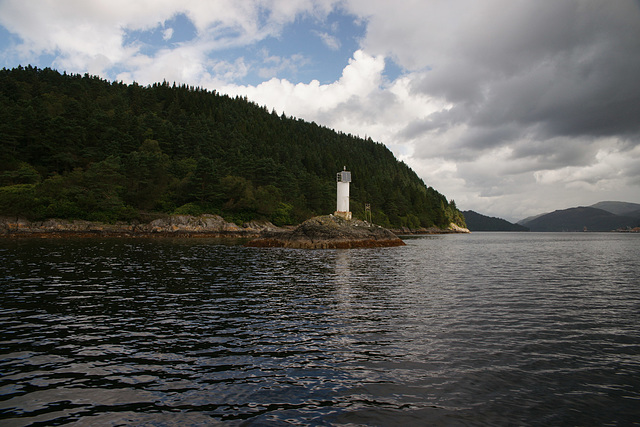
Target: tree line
x: 81, y: 147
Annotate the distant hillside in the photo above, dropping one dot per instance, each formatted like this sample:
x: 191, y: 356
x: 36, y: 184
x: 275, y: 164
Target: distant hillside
x: 79, y: 147
x: 579, y: 219
x: 530, y: 218
x: 479, y: 222
x: 620, y: 208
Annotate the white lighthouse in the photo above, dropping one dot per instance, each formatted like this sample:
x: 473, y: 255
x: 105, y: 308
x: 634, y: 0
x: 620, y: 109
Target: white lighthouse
x: 342, y: 209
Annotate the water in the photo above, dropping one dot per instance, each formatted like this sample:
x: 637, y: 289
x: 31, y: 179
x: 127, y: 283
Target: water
x: 479, y: 329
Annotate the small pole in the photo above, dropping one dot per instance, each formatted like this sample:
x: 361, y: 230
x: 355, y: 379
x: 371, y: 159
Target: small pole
x: 367, y: 212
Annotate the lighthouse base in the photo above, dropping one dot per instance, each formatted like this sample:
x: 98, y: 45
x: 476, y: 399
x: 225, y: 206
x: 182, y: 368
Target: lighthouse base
x: 344, y: 215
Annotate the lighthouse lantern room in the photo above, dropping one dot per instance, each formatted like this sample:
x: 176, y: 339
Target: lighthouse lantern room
x: 343, y: 178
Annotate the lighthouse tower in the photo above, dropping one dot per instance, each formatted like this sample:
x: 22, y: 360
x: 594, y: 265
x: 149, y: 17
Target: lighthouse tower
x: 342, y: 209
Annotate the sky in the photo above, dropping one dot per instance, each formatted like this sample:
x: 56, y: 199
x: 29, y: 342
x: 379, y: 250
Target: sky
x: 510, y: 107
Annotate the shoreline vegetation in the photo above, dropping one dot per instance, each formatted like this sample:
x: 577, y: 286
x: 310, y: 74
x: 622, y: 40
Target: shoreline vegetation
x: 207, y: 226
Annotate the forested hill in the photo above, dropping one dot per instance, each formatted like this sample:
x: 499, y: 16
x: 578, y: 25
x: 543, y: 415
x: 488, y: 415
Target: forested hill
x: 80, y: 147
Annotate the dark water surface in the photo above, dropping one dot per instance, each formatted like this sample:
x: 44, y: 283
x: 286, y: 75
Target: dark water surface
x: 479, y: 329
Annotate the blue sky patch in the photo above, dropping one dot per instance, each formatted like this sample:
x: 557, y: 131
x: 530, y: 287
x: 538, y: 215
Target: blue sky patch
x: 7, y: 42
x: 392, y: 70
x: 178, y: 29
x: 307, y: 49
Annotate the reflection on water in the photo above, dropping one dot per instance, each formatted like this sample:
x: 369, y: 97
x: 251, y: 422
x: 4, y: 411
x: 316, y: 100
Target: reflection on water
x: 486, y: 328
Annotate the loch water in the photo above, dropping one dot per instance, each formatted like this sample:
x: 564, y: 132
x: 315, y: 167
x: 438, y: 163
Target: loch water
x: 477, y: 329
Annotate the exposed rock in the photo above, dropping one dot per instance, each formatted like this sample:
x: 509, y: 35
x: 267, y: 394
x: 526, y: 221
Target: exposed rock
x: 177, y: 225
x: 453, y: 228
x: 262, y: 226
x: 187, y: 223
x: 329, y: 232
x: 456, y: 229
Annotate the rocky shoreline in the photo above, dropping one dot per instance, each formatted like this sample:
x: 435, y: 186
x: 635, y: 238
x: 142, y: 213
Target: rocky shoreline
x: 172, y: 226
x: 453, y: 229
x: 318, y: 232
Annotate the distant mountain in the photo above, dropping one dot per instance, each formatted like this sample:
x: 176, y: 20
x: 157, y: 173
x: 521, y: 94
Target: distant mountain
x: 479, y: 222
x: 529, y: 219
x: 581, y: 219
x: 620, y: 208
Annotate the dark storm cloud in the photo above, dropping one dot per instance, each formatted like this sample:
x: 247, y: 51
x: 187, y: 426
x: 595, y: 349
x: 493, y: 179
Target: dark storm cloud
x: 555, y: 153
x: 562, y: 69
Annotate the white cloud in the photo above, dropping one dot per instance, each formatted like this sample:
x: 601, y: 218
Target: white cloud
x: 167, y: 34
x: 330, y: 41
x: 89, y: 36
x: 272, y: 65
x: 359, y: 80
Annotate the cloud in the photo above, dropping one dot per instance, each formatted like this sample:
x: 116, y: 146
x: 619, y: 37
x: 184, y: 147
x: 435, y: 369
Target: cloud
x: 167, y: 34
x: 271, y: 65
x: 90, y: 36
x: 567, y: 68
x: 545, y: 88
x: 359, y: 80
x: 330, y: 41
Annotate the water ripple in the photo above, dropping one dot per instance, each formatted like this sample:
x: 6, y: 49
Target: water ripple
x: 526, y: 329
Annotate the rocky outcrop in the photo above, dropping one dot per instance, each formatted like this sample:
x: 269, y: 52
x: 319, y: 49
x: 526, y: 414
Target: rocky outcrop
x: 191, y: 224
x: 171, y: 226
x: 329, y: 232
x: 457, y: 229
x: 452, y: 229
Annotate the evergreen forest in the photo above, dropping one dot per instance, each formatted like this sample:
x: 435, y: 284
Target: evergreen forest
x: 80, y: 147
